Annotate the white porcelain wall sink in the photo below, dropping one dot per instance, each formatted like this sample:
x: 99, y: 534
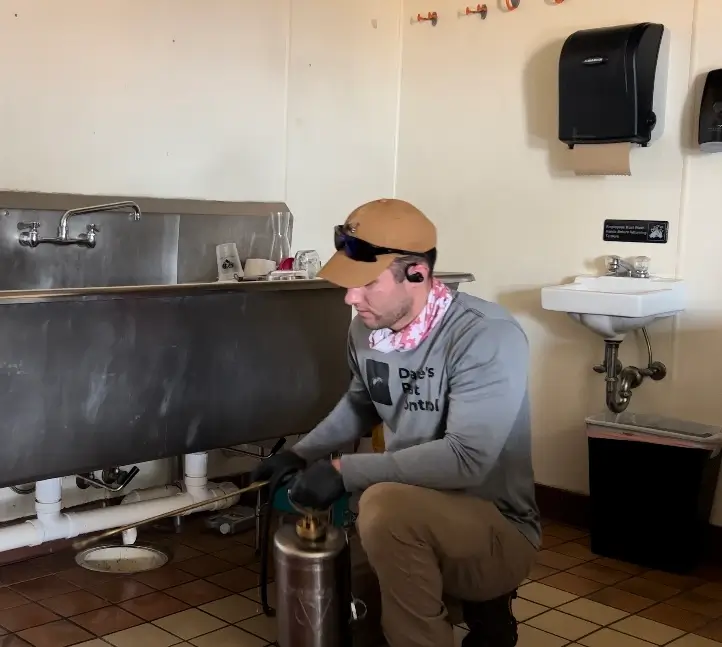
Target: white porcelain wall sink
x: 614, y: 305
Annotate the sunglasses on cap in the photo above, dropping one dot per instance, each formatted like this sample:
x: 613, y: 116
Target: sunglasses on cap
x: 359, y: 250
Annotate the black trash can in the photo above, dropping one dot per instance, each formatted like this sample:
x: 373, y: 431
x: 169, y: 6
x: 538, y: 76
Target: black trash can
x: 652, y: 482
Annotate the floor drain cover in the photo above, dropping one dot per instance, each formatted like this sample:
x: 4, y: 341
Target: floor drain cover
x: 122, y: 559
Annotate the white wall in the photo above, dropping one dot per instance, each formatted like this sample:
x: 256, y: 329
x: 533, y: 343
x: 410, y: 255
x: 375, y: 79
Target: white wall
x: 479, y: 152
x: 327, y: 104
x: 491, y: 172
x: 220, y: 99
x: 158, y: 98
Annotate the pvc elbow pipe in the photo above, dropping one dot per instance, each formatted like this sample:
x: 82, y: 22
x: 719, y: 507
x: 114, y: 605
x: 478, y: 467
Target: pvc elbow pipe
x: 130, y: 536
x: 52, y: 523
x: 161, y: 492
x: 195, y: 475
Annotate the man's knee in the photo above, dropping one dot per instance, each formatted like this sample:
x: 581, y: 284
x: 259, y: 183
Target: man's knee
x: 387, y: 512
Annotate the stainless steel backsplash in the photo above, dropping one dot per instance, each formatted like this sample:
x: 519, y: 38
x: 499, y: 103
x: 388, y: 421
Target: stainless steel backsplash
x: 163, y: 247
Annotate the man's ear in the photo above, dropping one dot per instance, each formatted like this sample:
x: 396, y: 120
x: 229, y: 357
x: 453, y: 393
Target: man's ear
x: 416, y: 273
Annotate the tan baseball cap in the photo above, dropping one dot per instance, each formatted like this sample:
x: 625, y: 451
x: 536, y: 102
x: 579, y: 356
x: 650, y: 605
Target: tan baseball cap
x: 389, y: 223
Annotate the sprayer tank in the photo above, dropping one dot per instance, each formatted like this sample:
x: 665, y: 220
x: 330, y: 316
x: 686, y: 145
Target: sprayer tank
x: 313, y: 596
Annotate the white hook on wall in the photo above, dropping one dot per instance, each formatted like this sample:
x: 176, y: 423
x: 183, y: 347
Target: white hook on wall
x: 431, y: 17
x: 481, y: 11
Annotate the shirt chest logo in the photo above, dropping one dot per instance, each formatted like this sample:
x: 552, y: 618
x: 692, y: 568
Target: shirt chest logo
x: 412, y: 383
x: 414, y: 386
x: 377, y: 376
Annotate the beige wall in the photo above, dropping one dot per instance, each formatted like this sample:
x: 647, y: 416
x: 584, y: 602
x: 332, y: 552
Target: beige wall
x: 479, y: 150
x: 491, y: 170
x: 216, y: 99
x: 326, y: 104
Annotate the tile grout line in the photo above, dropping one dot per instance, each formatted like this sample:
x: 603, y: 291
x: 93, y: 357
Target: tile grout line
x: 605, y: 587
x: 232, y: 566
x: 600, y: 628
x: 116, y: 605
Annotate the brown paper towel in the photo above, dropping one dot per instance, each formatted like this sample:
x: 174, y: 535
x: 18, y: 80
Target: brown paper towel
x: 601, y: 159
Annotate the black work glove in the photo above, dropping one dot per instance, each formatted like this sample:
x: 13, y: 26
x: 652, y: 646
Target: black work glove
x: 277, y: 463
x: 318, y: 487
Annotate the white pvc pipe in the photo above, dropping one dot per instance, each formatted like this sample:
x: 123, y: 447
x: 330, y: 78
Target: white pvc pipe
x: 196, y: 465
x: 160, y: 492
x: 49, y: 492
x: 48, y: 498
x: 19, y: 536
x: 195, y: 477
x: 52, y: 524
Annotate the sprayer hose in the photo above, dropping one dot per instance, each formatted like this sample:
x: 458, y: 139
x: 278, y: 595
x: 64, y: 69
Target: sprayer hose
x: 275, y: 484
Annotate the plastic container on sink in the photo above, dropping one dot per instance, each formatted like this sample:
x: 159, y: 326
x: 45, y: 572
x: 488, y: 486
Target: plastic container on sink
x: 652, y: 482
x: 229, y: 264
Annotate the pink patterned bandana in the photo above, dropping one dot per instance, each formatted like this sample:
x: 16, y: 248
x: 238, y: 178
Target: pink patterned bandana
x: 410, y: 337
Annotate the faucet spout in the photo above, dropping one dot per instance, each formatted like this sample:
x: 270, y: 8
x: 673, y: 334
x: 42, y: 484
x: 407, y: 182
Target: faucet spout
x: 618, y: 267
x: 111, y: 206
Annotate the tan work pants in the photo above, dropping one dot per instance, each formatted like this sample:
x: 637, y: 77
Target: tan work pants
x: 424, y: 544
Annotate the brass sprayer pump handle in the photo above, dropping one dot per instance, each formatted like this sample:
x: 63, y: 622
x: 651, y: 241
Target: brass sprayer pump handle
x: 313, y: 523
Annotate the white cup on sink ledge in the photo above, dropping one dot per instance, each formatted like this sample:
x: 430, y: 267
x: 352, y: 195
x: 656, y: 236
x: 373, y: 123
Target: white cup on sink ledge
x: 258, y: 268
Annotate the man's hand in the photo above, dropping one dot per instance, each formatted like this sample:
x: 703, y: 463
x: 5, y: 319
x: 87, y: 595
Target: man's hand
x: 277, y: 463
x: 318, y: 487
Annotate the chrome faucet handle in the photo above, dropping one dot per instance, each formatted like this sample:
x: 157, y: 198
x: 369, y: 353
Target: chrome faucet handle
x: 641, y: 267
x: 29, y: 235
x: 89, y: 237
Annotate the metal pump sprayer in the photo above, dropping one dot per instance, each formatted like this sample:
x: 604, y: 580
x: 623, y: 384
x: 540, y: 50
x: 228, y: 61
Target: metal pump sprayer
x: 314, y: 603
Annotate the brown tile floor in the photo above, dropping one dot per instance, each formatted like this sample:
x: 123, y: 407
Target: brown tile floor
x: 574, y: 597
x: 208, y: 597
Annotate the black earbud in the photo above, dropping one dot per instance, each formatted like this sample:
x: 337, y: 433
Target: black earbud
x: 414, y: 277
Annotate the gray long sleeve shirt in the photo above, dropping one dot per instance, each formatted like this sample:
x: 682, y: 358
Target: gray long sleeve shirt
x: 455, y: 412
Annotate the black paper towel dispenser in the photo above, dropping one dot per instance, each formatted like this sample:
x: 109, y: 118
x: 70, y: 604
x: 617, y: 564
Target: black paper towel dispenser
x: 612, y: 85
x: 710, y: 114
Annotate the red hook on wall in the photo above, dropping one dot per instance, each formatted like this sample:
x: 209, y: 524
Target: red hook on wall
x: 481, y: 9
x: 512, y: 4
x: 432, y: 17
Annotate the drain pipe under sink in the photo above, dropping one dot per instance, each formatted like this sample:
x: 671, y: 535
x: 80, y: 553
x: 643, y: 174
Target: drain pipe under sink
x: 195, y: 481
x: 149, y: 494
x: 52, y: 524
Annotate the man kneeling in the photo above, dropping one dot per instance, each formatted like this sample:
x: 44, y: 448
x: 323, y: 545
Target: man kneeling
x: 449, y: 508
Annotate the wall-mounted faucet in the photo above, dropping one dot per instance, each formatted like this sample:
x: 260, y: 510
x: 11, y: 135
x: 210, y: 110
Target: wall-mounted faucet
x: 30, y: 236
x: 637, y: 269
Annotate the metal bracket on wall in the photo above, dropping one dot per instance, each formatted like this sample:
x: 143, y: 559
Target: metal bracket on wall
x: 431, y: 17
x: 481, y: 11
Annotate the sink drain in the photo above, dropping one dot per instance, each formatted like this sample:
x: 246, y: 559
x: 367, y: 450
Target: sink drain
x: 122, y: 559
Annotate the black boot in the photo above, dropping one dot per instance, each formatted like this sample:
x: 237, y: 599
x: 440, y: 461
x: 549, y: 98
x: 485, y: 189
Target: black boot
x: 491, y: 623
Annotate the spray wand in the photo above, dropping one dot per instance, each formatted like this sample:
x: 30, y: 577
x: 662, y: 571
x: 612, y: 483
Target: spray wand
x: 85, y: 543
